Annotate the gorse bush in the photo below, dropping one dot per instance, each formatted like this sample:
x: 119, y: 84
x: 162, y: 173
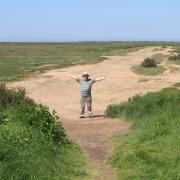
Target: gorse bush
x: 32, y: 114
x: 10, y: 97
x: 39, y: 117
x: 149, y: 62
x: 151, y: 150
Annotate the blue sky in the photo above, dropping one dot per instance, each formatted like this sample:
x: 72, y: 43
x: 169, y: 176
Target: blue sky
x: 93, y: 20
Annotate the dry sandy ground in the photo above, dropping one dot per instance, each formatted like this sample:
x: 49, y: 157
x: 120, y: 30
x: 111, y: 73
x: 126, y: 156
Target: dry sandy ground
x: 61, y: 93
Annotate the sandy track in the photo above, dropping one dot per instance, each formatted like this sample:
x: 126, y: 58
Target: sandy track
x: 61, y: 93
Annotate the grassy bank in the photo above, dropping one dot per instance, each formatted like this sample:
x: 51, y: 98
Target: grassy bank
x: 152, y: 149
x: 33, y: 144
x: 19, y: 60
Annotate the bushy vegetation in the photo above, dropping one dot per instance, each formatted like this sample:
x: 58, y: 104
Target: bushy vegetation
x: 149, y: 62
x: 33, y: 143
x: 152, y: 149
x: 10, y: 97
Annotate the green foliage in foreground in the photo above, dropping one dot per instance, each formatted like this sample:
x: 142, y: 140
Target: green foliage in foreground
x: 152, y: 149
x: 33, y: 145
x: 150, y: 71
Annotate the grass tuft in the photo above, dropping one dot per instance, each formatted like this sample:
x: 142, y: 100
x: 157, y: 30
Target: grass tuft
x: 151, y: 71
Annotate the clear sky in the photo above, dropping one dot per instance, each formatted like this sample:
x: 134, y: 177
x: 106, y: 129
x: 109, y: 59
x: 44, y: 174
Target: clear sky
x: 89, y: 20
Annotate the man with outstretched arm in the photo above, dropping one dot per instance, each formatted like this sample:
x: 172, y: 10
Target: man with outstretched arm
x: 85, y: 90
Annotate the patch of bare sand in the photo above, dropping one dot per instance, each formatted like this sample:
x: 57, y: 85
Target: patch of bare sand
x: 61, y: 93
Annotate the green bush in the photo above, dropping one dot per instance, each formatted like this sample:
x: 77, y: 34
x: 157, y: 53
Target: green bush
x: 39, y: 116
x: 149, y: 62
x: 151, y: 150
x: 9, y: 97
x: 32, y: 114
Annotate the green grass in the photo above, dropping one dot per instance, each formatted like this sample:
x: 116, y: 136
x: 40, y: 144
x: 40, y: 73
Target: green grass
x: 26, y: 154
x: 150, y: 71
x: 152, y: 149
x: 177, y: 84
x: 33, y: 145
x: 175, y: 59
x: 18, y: 60
x: 176, y: 46
x: 177, y: 50
x: 159, y: 57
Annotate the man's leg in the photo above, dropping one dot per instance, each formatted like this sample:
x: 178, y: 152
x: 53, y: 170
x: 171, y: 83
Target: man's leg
x: 82, y: 102
x: 89, y: 105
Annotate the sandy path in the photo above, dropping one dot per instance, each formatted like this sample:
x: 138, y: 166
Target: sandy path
x: 61, y: 93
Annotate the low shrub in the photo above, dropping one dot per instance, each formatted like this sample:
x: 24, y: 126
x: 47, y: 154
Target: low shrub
x: 9, y: 97
x: 39, y: 116
x: 32, y: 114
x: 149, y: 62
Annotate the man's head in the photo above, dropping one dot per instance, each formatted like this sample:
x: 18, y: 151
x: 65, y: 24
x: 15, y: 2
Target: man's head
x: 85, y: 76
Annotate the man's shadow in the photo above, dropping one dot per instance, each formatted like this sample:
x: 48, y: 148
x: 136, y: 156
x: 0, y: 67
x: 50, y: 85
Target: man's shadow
x: 94, y: 116
x: 98, y: 115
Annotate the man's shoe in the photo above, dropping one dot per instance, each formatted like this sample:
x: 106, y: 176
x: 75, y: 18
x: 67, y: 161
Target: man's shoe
x: 82, y: 116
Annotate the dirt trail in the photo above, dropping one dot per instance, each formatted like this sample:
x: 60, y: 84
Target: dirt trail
x: 61, y: 93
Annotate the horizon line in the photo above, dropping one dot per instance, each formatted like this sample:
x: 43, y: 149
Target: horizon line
x: 84, y: 41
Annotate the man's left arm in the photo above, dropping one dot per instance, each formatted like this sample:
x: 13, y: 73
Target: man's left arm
x: 99, y: 79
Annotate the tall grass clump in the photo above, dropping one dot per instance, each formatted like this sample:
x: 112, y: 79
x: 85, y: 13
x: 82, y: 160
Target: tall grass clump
x: 149, y: 62
x: 33, y: 142
x: 152, y: 149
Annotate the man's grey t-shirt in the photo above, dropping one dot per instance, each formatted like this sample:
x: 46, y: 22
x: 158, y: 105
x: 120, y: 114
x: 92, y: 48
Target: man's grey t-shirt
x: 85, y: 86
